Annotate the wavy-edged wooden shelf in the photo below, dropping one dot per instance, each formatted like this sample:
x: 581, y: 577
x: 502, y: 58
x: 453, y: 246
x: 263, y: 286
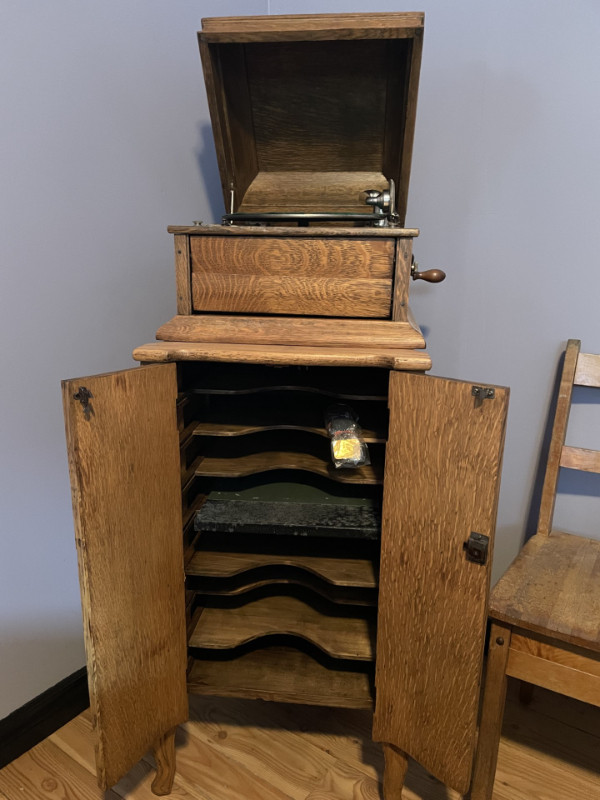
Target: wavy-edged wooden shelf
x: 255, y: 463
x: 343, y: 637
x: 340, y: 581
x: 258, y: 425
x: 354, y: 572
x: 240, y: 587
x: 282, y: 674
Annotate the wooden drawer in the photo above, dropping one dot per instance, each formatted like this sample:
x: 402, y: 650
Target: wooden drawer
x: 334, y: 277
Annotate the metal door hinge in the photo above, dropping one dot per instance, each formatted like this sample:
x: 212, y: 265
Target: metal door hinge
x: 476, y: 548
x: 481, y: 393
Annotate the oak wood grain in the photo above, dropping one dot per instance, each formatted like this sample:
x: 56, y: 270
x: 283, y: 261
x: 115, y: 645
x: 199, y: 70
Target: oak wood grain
x: 338, y: 636
x: 301, y: 191
x: 183, y: 274
x: 400, y: 309
x: 291, y: 331
x: 396, y: 767
x: 267, y: 461
x: 335, y: 129
x: 291, y: 35
x: 281, y: 674
x: 315, y: 258
x: 248, y: 583
x: 588, y: 370
x: 549, y: 599
x: 164, y: 756
x: 559, y: 677
x: 258, y: 424
x: 403, y: 170
x: 553, y: 586
x: 357, y: 572
x: 311, y: 22
x: 559, y: 431
x: 390, y: 358
x: 257, y: 294
x: 566, y: 654
x: 228, y: 73
x: 124, y: 464
x: 492, y: 713
x: 310, y: 232
x: 261, y: 75
x: 428, y: 688
x: 580, y: 458
x: 328, y: 277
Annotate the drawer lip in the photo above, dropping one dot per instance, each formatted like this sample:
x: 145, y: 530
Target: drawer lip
x: 393, y: 358
x: 293, y: 331
x: 293, y: 233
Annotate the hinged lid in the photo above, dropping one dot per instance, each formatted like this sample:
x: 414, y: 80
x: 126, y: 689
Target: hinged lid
x: 308, y: 112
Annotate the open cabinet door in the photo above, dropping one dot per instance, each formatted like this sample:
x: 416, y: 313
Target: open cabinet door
x: 124, y: 464
x: 442, y: 476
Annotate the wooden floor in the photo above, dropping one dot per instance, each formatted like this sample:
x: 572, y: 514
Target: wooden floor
x: 251, y: 750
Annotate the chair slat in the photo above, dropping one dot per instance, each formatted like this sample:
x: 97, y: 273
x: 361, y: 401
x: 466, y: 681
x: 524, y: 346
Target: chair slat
x: 588, y: 370
x: 580, y: 458
x: 559, y: 429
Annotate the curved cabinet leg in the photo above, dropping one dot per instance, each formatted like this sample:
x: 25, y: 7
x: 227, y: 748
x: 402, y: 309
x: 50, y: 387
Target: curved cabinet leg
x: 164, y: 755
x: 396, y: 764
x: 492, y: 713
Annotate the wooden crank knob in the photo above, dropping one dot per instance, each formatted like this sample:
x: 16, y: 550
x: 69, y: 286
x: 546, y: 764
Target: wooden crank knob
x: 430, y: 275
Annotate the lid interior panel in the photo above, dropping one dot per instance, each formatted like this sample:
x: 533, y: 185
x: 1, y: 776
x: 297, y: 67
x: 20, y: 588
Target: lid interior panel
x: 322, y: 115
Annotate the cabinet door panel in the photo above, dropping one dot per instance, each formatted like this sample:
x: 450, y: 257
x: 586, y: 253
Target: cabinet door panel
x: 124, y: 464
x: 442, y: 472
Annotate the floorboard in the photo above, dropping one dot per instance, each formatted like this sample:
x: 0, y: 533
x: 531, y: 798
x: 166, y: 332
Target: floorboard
x: 253, y: 750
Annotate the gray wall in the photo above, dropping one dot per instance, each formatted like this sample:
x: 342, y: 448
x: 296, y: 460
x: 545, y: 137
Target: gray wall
x: 106, y: 140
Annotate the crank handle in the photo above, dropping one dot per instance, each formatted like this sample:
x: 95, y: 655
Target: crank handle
x: 430, y: 275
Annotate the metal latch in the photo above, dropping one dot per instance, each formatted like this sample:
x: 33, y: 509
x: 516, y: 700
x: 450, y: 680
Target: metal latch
x: 477, y: 548
x: 84, y: 395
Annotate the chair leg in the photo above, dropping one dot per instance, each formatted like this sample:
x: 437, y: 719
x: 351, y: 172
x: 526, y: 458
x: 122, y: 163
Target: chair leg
x: 164, y: 755
x: 490, y: 728
x: 396, y: 765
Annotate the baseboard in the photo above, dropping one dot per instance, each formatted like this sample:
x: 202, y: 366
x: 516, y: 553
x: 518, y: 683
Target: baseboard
x: 37, y: 719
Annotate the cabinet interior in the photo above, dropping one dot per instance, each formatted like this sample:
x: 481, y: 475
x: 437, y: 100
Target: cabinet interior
x: 281, y: 548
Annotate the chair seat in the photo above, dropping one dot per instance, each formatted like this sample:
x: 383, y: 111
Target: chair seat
x: 553, y: 588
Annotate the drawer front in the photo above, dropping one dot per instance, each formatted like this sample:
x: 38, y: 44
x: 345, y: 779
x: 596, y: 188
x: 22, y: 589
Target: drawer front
x: 273, y: 275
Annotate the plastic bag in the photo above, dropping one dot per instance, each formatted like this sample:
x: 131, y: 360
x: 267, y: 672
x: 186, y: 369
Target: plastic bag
x: 347, y: 446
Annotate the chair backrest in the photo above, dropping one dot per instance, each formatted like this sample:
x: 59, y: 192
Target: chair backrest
x: 579, y: 369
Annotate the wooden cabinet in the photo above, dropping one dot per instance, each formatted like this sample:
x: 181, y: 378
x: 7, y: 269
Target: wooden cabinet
x: 283, y: 617
x: 362, y: 587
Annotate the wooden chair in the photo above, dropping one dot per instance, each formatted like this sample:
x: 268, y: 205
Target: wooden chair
x: 545, y: 611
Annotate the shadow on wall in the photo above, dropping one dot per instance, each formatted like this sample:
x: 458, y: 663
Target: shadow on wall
x: 206, y: 158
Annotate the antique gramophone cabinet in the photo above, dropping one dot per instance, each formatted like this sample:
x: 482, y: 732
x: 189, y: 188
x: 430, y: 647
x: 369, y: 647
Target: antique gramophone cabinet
x: 221, y: 552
